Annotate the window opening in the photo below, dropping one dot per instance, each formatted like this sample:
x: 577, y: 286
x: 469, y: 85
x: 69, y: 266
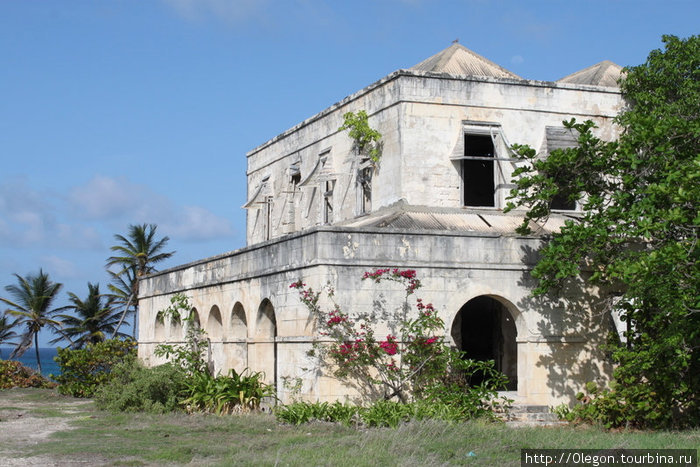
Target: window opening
x: 268, y: 217
x: 560, y: 138
x: 478, y: 171
x: 364, y: 185
x: 328, y: 187
x: 561, y: 203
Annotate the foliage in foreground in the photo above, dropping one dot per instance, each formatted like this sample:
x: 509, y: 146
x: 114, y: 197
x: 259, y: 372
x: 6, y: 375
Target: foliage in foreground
x: 84, y: 370
x: 135, y: 388
x: 638, y: 236
x: 15, y: 375
x: 381, y: 413
x: 100, y: 437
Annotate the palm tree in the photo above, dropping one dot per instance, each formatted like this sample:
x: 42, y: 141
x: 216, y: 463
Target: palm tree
x: 121, y: 292
x: 7, y: 332
x: 138, y: 253
x: 33, y: 297
x: 92, y: 321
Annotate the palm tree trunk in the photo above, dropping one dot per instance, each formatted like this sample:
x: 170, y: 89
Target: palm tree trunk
x: 121, y: 320
x: 36, y: 349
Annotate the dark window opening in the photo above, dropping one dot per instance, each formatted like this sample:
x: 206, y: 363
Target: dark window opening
x: 477, y: 171
x: 560, y: 202
x: 296, y: 179
x: 365, y: 181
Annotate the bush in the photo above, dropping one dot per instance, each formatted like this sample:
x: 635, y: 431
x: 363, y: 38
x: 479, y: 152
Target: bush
x: 135, y: 388
x: 226, y: 394
x: 84, y: 370
x: 305, y: 412
x: 382, y: 413
x: 15, y: 375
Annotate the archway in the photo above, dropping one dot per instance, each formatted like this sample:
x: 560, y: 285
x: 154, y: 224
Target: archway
x: 159, y: 330
x: 266, y: 345
x: 239, y: 326
x: 214, y: 325
x: 484, y: 329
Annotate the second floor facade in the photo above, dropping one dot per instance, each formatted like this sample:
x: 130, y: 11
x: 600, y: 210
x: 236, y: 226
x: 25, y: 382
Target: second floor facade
x: 446, y: 138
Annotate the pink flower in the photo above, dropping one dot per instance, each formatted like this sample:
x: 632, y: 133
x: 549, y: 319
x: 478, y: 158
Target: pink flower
x: 389, y: 345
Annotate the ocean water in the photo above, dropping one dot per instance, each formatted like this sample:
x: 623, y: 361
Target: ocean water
x: 46, y: 355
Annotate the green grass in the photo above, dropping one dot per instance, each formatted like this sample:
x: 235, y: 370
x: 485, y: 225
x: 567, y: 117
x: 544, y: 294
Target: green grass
x: 177, y: 439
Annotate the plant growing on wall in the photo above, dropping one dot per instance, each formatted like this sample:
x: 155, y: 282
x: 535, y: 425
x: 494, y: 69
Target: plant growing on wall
x: 367, y: 139
x: 414, y: 364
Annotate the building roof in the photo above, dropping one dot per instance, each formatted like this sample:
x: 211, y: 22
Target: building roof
x: 458, y: 60
x: 605, y: 73
x: 401, y: 216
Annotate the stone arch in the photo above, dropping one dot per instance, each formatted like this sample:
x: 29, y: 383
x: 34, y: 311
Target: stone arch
x: 266, y: 323
x: 265, y: 354
x: 176, y: 331
x: 159, y: 329
x: 485, y: 328
x: 215, y: 328
x: 239, y: 324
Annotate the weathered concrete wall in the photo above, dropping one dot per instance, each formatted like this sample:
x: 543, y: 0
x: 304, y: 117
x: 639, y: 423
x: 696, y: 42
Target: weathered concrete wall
x: 421, y: 118
x: 555, y: 353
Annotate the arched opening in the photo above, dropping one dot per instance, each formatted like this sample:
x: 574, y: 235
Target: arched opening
x: 484, y: 329
x: 214, y: 325
x: 237, y: 334
x: 195, y: 319
x: 176, y: 332
x: 267, y: 323
x: 159, y: 330
x: 239, y: 326
x: 266, y: 345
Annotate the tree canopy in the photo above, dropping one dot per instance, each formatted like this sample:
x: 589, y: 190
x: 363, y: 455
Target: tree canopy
x: 637, y: 235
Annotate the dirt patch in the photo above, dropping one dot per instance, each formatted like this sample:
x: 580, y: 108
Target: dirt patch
x: 28, y: 417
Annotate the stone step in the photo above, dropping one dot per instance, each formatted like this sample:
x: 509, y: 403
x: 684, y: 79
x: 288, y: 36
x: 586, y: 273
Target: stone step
x: 523, y: 415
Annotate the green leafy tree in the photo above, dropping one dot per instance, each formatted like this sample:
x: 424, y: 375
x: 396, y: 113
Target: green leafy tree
x: 7, y: 330
x: 637, y: 237
x: 93, y: 319
x: 136, y: 255
x: 32, y: 302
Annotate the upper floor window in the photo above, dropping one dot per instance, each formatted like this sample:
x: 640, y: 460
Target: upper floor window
x: 560, y: 138
x: 478, y: 183
x: 364, y: 189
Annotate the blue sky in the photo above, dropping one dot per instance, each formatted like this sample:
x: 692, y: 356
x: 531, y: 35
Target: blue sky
x: 141, y: 111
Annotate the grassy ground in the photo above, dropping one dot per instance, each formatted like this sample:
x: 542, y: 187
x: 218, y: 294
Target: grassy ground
x: 90, y: 437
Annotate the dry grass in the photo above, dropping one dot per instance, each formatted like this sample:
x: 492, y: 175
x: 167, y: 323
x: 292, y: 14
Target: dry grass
x: 90, y: 437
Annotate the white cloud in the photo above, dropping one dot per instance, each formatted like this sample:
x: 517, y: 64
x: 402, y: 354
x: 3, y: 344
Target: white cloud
x: 105, y: 197
x: 516, y: 59
x: 197, y: 223
x: 59, y: 267
x: 230, y: 11
x: 120, y: 200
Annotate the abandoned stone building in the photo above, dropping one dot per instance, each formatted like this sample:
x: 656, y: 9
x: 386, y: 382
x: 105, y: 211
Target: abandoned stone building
x: 319, y: 211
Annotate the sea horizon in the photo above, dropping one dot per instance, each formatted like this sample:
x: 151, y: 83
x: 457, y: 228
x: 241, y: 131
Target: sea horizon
x: 46, y: 354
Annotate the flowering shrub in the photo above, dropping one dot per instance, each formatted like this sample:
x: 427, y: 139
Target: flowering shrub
x: 416, y: 364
